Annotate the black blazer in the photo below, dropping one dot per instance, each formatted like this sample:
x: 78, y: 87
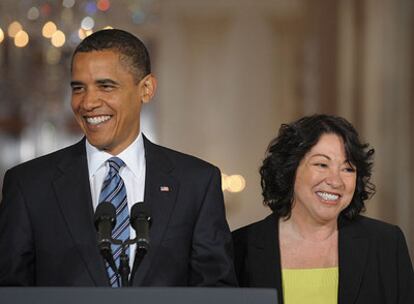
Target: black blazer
x: 374, y: 264
x: 47, y: 235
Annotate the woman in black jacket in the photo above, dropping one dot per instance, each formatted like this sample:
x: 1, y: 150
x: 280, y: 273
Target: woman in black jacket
x: 315, y: 247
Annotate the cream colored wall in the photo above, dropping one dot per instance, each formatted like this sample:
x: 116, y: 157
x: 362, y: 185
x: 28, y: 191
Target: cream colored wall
x: 227, y: 82
x: 232, y: 71
x: 387, y: 95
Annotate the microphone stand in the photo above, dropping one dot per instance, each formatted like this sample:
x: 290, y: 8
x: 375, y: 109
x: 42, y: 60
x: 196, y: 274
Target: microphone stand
x: 124, y: 268
x: 139, y: 256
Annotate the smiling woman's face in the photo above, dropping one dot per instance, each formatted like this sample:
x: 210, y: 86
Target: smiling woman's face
x: 325, y: 182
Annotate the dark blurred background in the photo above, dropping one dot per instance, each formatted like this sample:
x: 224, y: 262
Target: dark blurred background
x: 230, y: 72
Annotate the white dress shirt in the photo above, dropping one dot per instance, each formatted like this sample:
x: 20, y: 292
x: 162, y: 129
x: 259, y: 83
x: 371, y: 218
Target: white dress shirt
x: 133, y: 175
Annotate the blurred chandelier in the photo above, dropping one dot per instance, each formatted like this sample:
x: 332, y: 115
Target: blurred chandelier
x: 64, y: 23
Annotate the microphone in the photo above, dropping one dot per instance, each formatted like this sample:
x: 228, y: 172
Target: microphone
x: 140, y: 220
x: 105, y: 221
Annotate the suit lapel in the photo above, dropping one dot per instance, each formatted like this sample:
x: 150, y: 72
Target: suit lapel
x: 72, y: 189
x: 161, y: 190
x: 353, y: 253
x: 265, y: 255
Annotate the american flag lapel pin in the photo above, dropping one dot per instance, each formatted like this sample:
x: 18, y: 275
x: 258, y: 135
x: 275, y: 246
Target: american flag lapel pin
x: 164, y: 189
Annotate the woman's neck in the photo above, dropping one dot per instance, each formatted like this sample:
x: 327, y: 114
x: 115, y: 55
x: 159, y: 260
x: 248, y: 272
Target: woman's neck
x: 307, y: 229
x: 304, y: 244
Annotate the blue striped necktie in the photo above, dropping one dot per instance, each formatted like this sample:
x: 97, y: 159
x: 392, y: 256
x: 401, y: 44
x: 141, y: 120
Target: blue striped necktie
x: 113, y: 191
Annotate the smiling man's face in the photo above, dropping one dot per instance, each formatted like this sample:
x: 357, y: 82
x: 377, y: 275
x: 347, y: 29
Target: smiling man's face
x: 106, y: 99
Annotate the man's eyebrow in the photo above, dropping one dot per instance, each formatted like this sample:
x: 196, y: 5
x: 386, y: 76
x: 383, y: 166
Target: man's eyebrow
x: 75, y: 83
x: 106, y: 81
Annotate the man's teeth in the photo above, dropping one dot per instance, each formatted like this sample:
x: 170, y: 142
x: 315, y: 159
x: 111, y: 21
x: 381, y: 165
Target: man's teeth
x: 328, y: 196
x: 97, y: 119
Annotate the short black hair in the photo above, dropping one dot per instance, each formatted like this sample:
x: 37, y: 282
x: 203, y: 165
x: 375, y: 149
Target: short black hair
x: 131, y: 49
x: 294, y: 140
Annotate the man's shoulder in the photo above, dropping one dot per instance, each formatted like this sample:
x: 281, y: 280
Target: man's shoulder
x: 258, y: 228
x: 46, y: 162
x: 180, y: 160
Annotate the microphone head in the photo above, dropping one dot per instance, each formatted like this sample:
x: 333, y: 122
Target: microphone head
x: 141, y: 221
x: 140, y: 210
x: 105, y: 211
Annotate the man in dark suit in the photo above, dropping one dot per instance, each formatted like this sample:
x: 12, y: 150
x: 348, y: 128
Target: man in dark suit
x: 47, y: 233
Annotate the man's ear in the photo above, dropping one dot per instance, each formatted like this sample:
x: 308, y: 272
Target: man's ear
x: 148, y: 86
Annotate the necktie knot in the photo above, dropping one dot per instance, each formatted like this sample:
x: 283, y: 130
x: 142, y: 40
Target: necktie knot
x: 115, y: 163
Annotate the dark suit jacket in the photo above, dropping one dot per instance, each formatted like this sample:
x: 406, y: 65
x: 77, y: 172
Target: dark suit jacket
x: 47, y: 235
x: 374, y: 265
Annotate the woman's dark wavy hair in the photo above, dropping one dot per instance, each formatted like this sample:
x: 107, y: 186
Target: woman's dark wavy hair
x: 290, y: 146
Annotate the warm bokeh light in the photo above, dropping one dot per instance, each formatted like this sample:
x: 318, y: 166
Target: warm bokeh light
x: 103, y: 5
x: 33, y: 13
x: 83, y: 33
x: 58, y: 39
x: 21, y: 39
x: 14, y: 28
x: 1, y: 35
x: 224, y: 183
x: 232, y: 183
x: 87, y: 23
x: 236, y: 183
x: 49, y: 29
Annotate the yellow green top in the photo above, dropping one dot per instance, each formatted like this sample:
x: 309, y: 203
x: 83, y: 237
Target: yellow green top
x: 310, y: 286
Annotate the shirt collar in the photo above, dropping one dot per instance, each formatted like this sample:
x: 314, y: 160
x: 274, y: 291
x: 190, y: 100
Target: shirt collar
x: 133, y: 156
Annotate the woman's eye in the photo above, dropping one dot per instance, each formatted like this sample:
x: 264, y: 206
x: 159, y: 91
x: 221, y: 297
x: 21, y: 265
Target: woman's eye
x: 349, y: 170
x: 321, y: 165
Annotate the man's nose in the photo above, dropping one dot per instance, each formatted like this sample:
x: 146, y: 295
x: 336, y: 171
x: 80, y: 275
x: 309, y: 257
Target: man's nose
x: 91, y: 100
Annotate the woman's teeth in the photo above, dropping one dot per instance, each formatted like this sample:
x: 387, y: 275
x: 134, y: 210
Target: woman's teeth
x: 327, y: 196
